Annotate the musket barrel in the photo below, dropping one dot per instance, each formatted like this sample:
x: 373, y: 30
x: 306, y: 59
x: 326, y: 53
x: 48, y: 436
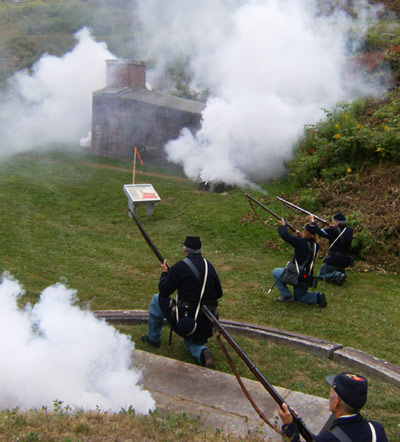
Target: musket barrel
x: 146, y: 237
x: 304, y: 431
x: 300, y: 209
x: 251, y: 198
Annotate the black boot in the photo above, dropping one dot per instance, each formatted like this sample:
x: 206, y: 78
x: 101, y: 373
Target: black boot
x: 206, y: 359
x: 341, y: 279
x: 321, y: 299
x: 147, y: 340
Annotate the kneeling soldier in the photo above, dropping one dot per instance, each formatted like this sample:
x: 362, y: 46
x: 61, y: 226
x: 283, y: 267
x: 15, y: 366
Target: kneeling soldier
x: 197, y: 283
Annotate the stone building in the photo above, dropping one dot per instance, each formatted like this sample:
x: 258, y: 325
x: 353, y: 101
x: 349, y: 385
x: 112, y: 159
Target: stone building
x: 126, y: 114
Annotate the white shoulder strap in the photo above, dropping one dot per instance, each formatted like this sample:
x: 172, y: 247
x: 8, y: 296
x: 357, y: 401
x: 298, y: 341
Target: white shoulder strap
x: 341, y: 233
x: 373, y: 432
x: 202, y: 289
x: 201, y: 296
x: 312, y: 262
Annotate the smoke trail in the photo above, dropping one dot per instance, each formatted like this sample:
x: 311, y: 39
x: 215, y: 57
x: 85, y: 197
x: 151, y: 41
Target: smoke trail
x: 271, y: 66
x: 53, y: 104
x: 55, y: 351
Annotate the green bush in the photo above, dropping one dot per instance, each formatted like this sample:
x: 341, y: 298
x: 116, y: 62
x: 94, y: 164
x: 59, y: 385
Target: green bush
x: 363, y: 243
x: 350, y: 138
x: 21, y: 51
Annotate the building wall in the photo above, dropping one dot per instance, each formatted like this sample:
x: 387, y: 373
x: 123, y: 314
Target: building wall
x: 120, y: 124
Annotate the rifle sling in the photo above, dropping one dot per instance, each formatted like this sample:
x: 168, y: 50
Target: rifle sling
x: 197, y: 274
x: 245, y: 391
x: 192, y: 268
x: 338, y: 237
x: 340, y: 434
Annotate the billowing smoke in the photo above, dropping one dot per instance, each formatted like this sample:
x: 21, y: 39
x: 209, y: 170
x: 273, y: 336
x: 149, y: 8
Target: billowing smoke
x: 54, y: 351
x: 53, y: 103
x: 271, y: 66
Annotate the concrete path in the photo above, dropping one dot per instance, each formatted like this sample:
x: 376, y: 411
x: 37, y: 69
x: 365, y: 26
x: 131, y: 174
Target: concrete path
x: 218, y: 400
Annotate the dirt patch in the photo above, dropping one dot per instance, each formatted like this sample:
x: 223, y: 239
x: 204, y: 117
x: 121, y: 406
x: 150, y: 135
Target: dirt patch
x: 140, y: 172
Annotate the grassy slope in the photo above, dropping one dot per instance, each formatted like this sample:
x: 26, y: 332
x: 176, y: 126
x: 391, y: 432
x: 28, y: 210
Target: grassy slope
x: 65, y: 216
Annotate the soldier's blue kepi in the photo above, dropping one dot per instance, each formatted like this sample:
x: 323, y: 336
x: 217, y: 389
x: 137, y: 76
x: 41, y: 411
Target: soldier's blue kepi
x: 312, y: 228
x: 193, y: 242
x: 351, y: 388
x: 339, y: 217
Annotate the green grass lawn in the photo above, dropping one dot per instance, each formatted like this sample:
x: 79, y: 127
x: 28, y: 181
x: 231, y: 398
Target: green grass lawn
x: 64, y: 218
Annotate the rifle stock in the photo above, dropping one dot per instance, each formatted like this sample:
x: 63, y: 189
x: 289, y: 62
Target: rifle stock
x: 147, y: 238
x: 300, y: 209
x: 251, y: 198
x: 304, y: 431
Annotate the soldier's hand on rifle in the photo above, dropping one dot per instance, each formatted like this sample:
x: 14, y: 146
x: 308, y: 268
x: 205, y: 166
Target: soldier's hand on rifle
x: 311, y: 218
x: 165, y: 266
x: 282, y: 222
x: 285, y: 414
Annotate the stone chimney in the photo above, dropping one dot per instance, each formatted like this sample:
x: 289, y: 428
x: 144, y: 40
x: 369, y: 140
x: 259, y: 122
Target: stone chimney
x: 126, y: 73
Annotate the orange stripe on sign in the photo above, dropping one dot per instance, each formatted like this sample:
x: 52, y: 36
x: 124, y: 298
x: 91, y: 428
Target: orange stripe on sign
x: 148, y: 195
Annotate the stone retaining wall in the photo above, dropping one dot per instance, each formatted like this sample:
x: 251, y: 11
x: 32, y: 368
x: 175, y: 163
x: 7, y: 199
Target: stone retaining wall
x: 348, y: 356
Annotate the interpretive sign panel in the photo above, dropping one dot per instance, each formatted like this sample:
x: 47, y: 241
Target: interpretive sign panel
x: 141, y: 194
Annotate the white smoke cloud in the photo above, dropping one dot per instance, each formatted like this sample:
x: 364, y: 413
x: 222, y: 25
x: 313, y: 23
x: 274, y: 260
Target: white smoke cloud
x: 53, y: 103
x: 55, y: 351
x: 271, y: 65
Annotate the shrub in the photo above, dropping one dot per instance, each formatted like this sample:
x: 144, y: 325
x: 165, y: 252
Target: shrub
x: 350, y: 138
x: 22, y: 51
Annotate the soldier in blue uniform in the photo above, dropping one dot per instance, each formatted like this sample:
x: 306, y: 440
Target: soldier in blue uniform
x: 197, y: 283
x: 338, y: 258
x: 305, y: 250
x: 347, y: 396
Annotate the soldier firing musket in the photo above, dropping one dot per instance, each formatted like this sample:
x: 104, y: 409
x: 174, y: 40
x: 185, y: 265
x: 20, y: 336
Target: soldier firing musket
x: 299, y: 271
x: 339, y: 256
x: 340, y: 238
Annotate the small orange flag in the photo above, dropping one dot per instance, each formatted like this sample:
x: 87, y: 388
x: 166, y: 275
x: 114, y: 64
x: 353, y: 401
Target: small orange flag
x: 138, y: 154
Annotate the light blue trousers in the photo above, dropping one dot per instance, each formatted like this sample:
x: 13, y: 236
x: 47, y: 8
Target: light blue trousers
x: 330, y: 273
x: 300, y: 291
x: 155, y: 324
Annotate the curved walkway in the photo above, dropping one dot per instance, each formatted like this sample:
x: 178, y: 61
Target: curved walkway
x: 217, y: 401
x: 346, y: 355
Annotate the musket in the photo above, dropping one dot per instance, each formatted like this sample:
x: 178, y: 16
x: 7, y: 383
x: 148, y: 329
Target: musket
x: 154, y: 250
x: 251, y: 198
x: 300, y: 209
x: 147, y: 237
x: 304, y: 431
